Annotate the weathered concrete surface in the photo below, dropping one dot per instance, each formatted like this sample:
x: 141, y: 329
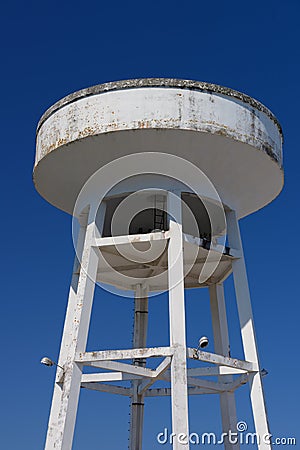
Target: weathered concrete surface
x: 158, y: 82
x: 235, y: 140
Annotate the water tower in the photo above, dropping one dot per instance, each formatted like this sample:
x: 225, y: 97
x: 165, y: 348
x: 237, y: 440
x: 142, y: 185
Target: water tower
x: 157, y: 173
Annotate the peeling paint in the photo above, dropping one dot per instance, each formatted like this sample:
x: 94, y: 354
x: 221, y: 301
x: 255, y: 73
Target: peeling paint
x: 159, y: 82
x: 147, y: 106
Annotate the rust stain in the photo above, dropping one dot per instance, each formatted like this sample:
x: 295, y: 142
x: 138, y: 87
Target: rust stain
x: 257, y: 139
x: 159, y: 82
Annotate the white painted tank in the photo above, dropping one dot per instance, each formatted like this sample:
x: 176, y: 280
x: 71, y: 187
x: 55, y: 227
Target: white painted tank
x: 232, y: 138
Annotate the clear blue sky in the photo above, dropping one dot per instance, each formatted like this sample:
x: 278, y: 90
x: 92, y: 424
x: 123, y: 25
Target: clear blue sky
x: 49, y: 49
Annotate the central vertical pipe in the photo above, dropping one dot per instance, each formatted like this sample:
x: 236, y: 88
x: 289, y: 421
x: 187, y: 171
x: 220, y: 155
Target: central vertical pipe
x: 139, y: 341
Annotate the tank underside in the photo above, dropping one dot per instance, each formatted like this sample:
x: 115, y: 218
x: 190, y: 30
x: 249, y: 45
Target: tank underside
x: 118, y: 265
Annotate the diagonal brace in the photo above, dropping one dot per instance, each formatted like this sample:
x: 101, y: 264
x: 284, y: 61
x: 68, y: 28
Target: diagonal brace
x: 160, y: 370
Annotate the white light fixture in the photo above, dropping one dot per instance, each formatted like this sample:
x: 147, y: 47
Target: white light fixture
x: 48, y: 362
x: 203, y: 342
x: 264, y: 372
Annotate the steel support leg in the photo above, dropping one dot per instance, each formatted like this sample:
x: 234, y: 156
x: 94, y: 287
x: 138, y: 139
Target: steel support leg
x: 221, y: 345
x: 248, y: 332
x: 179, y: 392
x: 139, y: 341
x: 67, y: 385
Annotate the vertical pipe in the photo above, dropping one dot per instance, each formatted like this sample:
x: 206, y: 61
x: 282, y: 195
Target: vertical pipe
x: 139, y: 341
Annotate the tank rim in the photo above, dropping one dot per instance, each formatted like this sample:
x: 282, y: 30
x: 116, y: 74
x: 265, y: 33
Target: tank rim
x: 137, y: 83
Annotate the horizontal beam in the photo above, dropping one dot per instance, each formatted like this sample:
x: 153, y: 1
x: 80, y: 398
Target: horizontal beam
x: 88, y: 358
x: 165, y: 392
x: 130, y: 239
x: 160, y: 236
x: 205, y: 384
x: 160, y: 373
x: 165, y: 376
x: 161, y: 392
x: 125, y: 368
x: 110, y: 388
x: 213, y: 371
x: 200, y: 386
x: 218, y: 386
x: 221, y: 360
x: 107, y: 376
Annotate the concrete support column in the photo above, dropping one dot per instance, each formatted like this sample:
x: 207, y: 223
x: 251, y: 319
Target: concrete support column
x: 67, y: 385
x: 179, y: 391
x: 222, y: 347
x: 247, y: 331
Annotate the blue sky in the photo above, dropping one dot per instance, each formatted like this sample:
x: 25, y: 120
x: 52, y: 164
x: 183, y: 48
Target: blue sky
x: 49, y: 49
